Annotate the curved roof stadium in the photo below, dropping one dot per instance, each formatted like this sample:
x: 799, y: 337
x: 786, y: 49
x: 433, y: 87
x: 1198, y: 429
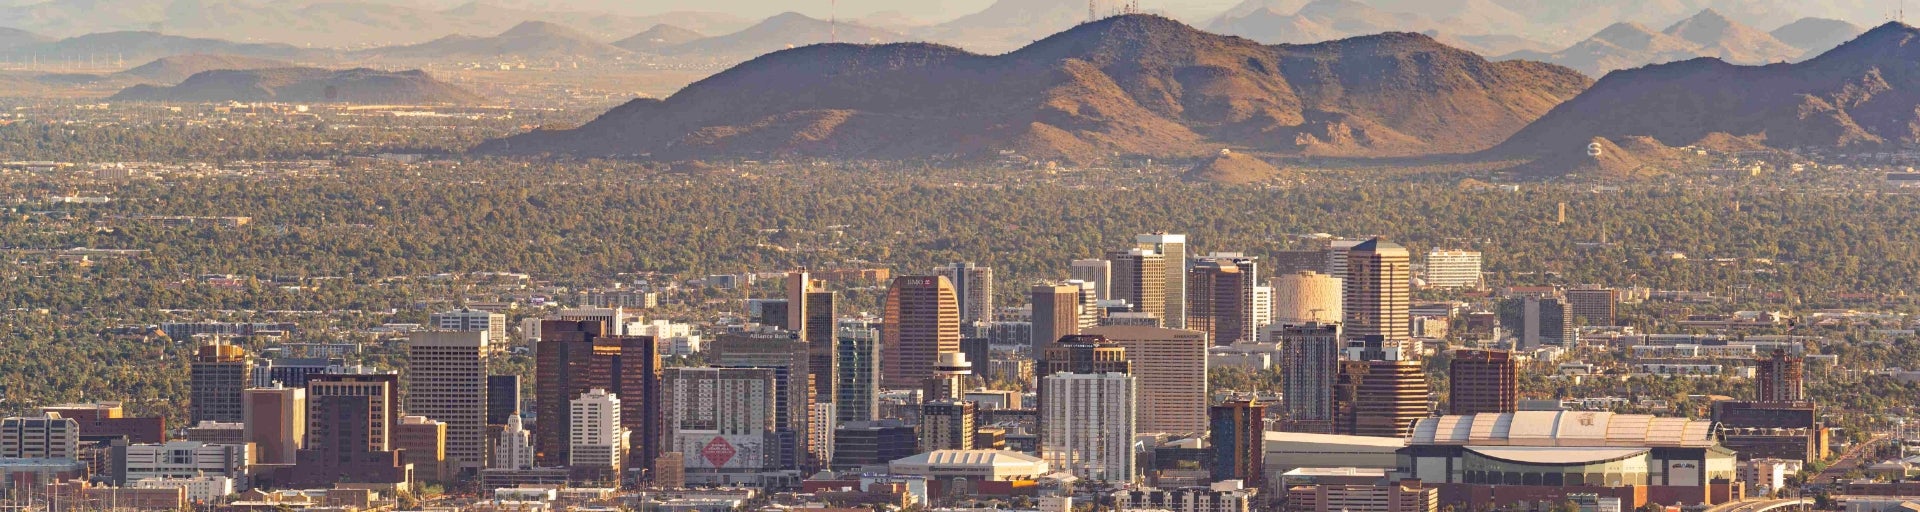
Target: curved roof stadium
x: 1572, y: 429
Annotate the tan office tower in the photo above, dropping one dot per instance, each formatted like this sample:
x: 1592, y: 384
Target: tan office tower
x: 1378, y: 288
x: 381, y: 409
x: 1171, y: 366
x: 1379, y: 392
x: 447, y: 382
x: 423, y: 443
x: 1139, y: 277
x: 922, y: 320
x: 1056, y: 313
x: 276, y: 422
x: 1098, y: 272
x: 811, y: 313
x: 1598, y: 305
x: 1174, y: 249
x: 1307, y: 297
x: 1218, y: 297
x: 973, y: 288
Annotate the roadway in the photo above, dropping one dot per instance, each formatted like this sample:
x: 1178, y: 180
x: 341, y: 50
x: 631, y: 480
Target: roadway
x: 1853, y: 459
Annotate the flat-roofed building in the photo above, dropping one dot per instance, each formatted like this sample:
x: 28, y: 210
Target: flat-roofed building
x: 1497, y: 460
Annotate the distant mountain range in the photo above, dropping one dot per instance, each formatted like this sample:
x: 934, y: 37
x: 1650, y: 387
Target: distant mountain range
x: 1132, y: 85
x: 304, y: 85
x: 533, y: 40
x: 146, y: 46
x: 173, y: 70
x: 781, y: 32
x: 1707, y: 34
x: 1860, y: 94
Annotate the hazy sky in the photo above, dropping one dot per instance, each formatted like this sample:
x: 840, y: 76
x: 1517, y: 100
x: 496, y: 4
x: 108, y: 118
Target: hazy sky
x: 929, y: 10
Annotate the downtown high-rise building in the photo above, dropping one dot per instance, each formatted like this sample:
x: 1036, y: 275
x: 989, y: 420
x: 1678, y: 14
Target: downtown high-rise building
x: 950, y: 378
x: 722, y: 422
x: 1220, y: 300
x: 1483, y: 381
x: 1595, y: 305
x: 597, y: 438
x: 946, y: 424
x: 1379, y: 288
x: 1779, y: 377
x: 1534, y: 320
x: 1336, y: 257
x: 1379, y: 392
x: 276, y: 423
x: 1057, y: 312
x: 578, y: 355
x: 1238, y: 432
x: 858, y: 374
x: 1453, y: 269
x: 1140, y: 279
x: 1087, y: 424
x: 372, y: 397
x: 514, y: 450
x: 1173, y: 248
x: 447, y: 382
x: 921, y: 320
x: 789, y: 359
x: 812, y: 313
x: 973, y: 288
x: 469, y: 319
x: 1307, y: 296
x: 219, y: 373
x: 1096, y: 271
x: 1171, y: 367
x: 1311, y: 355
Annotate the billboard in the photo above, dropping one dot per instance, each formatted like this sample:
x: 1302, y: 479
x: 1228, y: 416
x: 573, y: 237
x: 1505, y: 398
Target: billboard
x: 715, y: 451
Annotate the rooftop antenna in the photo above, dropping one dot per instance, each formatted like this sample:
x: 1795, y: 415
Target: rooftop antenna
x: 833, y: 17
x: 1093, y: 13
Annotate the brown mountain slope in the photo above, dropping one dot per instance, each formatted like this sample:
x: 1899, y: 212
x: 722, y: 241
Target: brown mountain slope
x: 172, y: 70
x: 1130, y: 85
x: 1863, y: 93
x: 1731, y: 41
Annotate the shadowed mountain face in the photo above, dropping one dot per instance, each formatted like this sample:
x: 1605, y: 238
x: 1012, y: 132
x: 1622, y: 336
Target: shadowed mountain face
x: 1816, y: 35
x: 1129, y: 85
x: 304, y: 85
x: 1858, y: 94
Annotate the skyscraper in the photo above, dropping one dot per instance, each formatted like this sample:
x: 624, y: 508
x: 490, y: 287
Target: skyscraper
x: 1378, y: 392
x: 946, y: 425
x: 1336, y: 257
x: 1171, y: 368
x: 973, y: 288
x: 1174, y: 249
x: 1096, y: 271
x: 1311, y: 353
x: 1087, y: 424
x: 422, y: 442
x: 922, y: 319
x: 367, y: 397
x: 1056, y: 314
x: 812, y: 313
x: 858, y: 373
x: 1238, y: 436
x: 597, y: 440
x: 1483, y: 381
x: 950, y: 376
x: 515, y: 449
x: 447, y: 382
x: 1140, y: 278
x: 503, y: 398
x: 1378, y: 292
x: 469, y: 319
x: 788, y: 358
x: 577, y: 356
x: 219, y: 373
x: 1534, y: 320
x: 1219, y: 300
x: 1306, y: 297
x: 276, y: 423
x: 722, y: 421
x: 1778, y: 378
x: 1599, y: 306
x: 1453, y: 269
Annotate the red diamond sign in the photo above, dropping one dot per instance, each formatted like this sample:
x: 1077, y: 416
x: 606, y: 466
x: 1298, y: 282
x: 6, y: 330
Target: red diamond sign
x: 718, y: 451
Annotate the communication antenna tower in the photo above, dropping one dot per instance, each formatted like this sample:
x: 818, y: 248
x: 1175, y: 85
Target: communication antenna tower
x: 833, y: 22
x: 1093, y: 11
